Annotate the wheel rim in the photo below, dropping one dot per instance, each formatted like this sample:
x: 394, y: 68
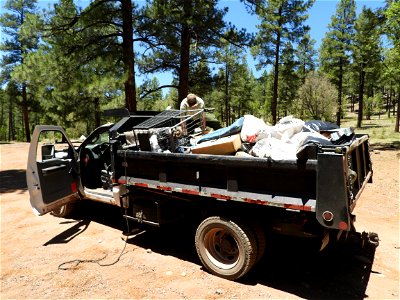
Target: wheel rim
x: 221, y: 248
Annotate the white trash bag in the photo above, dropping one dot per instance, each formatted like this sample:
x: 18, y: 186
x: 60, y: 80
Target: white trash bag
x: 275, y: 149
x: 252, y: 127
x: 286, y: 128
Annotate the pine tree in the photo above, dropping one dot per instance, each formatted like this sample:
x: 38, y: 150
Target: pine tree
x: 306, y: 56
x: 367, y: 55
x: 16, y: 48
x: 65, y: 77
x: 242, y: 86
x: 181, y: 33
x: 289, y: 79
x: 282, y: 23
x: 336, y: 47
x: 103, y: 29
x: 228, y: 57
x: 149, y: 99
x: 392, y: 29
x: 200, y: 80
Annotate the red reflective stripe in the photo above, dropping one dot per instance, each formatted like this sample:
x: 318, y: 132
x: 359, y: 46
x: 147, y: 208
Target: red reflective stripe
x: 164, y: 188
x: 219, y: 196
x: 122, y: 181
x: 297, y: 207
x: 141, y: 184
x: 74, y: 188
x: 191, y: 192
x: 253, y: 201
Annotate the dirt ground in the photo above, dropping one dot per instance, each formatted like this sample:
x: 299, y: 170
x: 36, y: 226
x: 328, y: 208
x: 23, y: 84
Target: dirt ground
x: 36, y: 252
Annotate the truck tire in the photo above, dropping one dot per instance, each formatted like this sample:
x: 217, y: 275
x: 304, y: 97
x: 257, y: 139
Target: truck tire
x: 226, y: 248
x: 63, y: 211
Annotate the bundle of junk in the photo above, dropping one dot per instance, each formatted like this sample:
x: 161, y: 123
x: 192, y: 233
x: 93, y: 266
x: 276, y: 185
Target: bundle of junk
x: 190, y: 132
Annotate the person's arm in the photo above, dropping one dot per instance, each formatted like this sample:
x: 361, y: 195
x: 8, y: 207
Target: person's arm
x: 200, y: 102
x: 183, y: 105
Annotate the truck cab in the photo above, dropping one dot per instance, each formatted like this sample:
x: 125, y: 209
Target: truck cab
x: 60, y: 171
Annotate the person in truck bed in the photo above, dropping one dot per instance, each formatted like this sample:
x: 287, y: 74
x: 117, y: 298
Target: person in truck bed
x: 191, y: 106
x: 191, y: 102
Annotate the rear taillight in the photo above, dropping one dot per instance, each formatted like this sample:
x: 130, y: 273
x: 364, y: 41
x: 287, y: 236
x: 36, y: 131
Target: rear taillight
x: 342, y: 225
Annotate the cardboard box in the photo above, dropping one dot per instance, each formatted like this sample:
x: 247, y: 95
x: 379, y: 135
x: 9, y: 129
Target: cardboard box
x: 225, y: 145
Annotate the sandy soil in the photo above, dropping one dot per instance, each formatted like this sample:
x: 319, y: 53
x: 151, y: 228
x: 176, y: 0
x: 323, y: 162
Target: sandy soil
x: 36, y: 252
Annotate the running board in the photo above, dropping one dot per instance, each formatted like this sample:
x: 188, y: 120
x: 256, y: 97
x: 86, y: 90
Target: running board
x: 101, y: 195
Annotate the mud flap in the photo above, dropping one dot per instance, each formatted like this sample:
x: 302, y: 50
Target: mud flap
x: 325, y: 240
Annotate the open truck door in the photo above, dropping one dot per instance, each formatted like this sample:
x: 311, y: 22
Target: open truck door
x: 52, y: 173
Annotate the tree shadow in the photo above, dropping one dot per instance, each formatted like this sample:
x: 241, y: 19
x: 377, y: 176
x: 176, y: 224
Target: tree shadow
x: 370, y: 126
x: 12, y: 180
x: 395, y: 145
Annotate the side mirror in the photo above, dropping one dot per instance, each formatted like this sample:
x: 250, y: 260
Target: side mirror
x: 48, y: 152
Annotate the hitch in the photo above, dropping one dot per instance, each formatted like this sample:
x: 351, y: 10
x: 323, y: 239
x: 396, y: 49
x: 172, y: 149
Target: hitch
x: 370, y: 238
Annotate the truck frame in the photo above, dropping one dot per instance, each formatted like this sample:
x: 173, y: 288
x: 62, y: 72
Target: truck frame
x: 233, y: 201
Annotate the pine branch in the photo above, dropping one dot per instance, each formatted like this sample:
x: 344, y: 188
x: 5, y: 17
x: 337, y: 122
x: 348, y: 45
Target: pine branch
x: 148, y: 92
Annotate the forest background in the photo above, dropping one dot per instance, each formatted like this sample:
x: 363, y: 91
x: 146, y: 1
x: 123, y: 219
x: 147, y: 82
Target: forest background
x: 64, y: 64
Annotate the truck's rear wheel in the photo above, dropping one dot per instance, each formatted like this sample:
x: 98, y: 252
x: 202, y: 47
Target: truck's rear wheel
x: 226, y: 248
x: 63, y: 211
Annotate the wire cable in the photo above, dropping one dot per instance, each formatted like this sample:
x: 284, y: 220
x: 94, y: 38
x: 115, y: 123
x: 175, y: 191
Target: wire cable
x: 77, y: 262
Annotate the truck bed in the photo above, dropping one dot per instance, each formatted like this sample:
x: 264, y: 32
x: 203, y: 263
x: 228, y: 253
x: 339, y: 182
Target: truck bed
x: 318, y: 184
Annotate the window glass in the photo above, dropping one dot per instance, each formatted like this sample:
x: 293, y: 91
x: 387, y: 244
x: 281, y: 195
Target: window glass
x: 52, y: 144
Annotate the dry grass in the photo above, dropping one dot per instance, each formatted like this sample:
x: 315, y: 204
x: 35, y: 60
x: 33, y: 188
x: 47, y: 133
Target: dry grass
x: 379, y: 128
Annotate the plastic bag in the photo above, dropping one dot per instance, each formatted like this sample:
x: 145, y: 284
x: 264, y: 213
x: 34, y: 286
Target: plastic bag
x: 318, y: 125
x: 342, y: 136
x: 252, y: 126
x: 301, y: 137
x: 286, y: 128
x: 235, y: 128
x: 275, y: 149
x: 307, y: 148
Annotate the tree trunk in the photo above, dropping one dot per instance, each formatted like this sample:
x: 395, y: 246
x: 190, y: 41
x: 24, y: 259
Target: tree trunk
x: 360, y: 97
x: 226, y: 94
x: 11, y: 129
x: 339, y: 100
x: 389, y: 101
x: 25, y: 114
x: 396, y: 126
x: 97, y: 112
x: 274, y: 102
x: 183, y: 88
x: 128, y: 55
x: 2, y: 122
